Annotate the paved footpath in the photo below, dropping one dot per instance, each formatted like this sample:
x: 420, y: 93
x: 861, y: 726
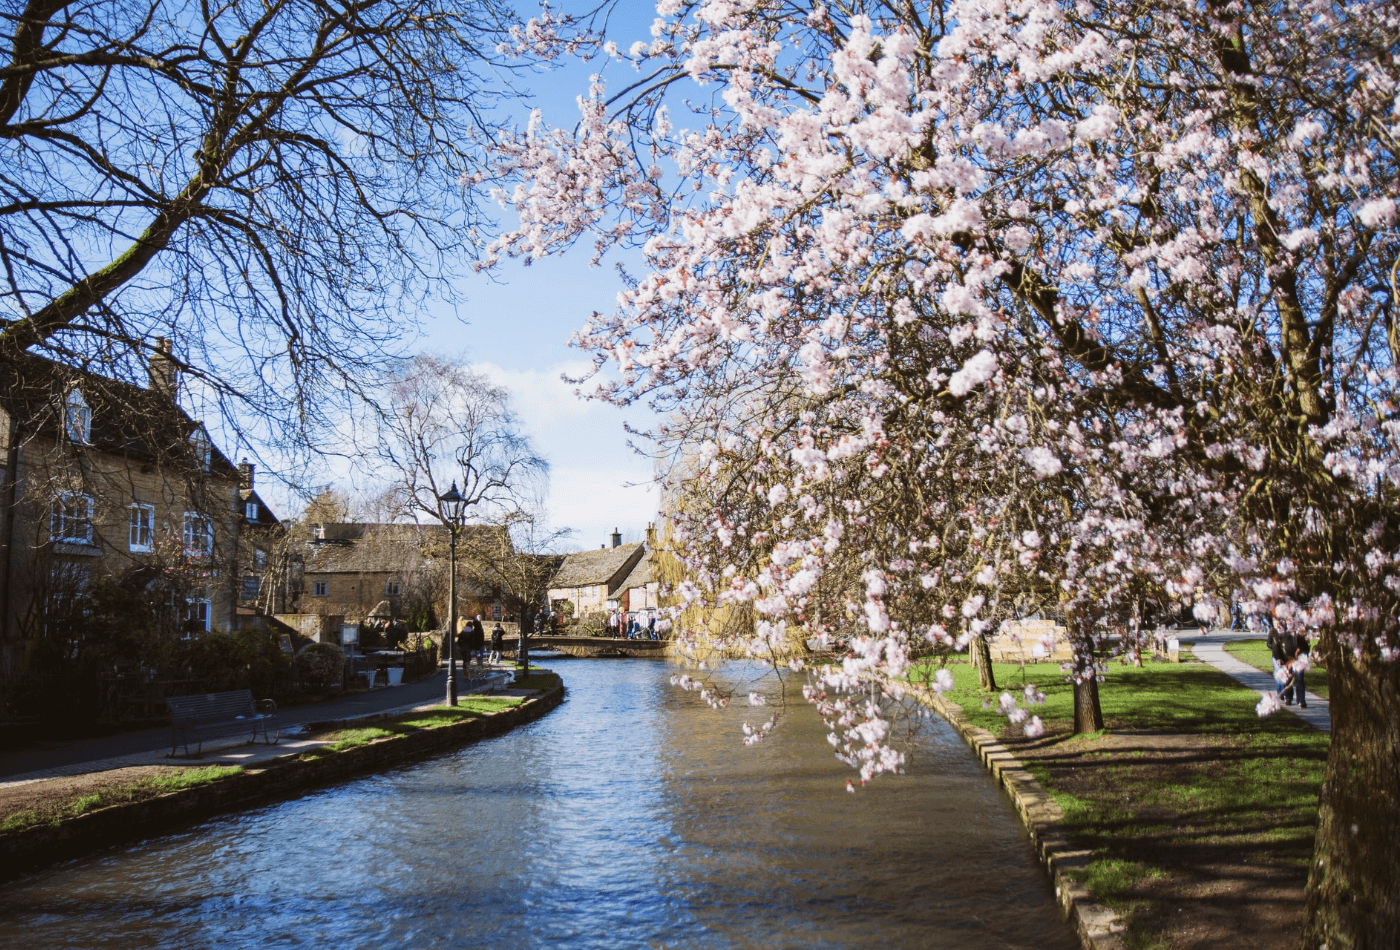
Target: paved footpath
x: 1210, y: 648
x: 41, y: 759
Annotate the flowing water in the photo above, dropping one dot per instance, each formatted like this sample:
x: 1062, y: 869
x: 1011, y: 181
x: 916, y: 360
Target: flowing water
x: 631, y: 816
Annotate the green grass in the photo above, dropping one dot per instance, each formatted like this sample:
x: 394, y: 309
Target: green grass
x: 541, y: 679
x: 1256, y: 654
x: 142, y: 788
x: 1168, y: 697
x: 1184, y: 767
x: 188, y: 778
x: 468, y: 707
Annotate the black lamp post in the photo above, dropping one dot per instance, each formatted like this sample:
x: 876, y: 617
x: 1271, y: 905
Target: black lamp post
x: 452, y: 505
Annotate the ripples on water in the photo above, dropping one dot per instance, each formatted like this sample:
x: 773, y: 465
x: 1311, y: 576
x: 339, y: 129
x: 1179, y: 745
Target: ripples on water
x: 631, y: 816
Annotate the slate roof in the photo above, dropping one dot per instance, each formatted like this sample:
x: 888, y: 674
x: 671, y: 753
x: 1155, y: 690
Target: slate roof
x: 604, y: 566
x: 127, y: 420
x: 354, y: 548
x: 641, y: 574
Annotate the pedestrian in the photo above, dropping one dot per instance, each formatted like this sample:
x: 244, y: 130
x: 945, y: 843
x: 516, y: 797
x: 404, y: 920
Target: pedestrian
x: 476, y: 639
x: 498, y: 636
x: 651, y: 627
x: 1285, y: 648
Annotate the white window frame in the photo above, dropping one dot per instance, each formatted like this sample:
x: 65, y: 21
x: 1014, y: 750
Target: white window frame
x: 250, y: 511
x: 77, y: 417
x: 198, y: 543
x: 138, y: 527
x: 194, y: 607
x: 66, y: 524
x: 318, y: 589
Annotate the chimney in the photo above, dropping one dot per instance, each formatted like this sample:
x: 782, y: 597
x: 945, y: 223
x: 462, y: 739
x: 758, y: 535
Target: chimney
x: 161, y: 369
x: 651, y: 536
x: 616, y: 539
x: 245, y: 474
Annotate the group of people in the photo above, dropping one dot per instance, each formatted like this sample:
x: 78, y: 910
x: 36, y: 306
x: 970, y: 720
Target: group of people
x: 632, y: 628
x: 1291, y: 661
x: 472, y: 641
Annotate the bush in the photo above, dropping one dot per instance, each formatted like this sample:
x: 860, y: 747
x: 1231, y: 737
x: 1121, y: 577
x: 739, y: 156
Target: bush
x: 592, y: 624
x: 320, y: 664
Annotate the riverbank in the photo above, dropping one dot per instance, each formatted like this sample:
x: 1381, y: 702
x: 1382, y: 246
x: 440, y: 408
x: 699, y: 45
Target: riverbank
x: 49, y: 820
x: 1187, y: 822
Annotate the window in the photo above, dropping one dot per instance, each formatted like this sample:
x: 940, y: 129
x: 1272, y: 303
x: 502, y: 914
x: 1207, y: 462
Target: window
x: 77, y: 418
x: 198, y: 535
x: 495, y: 611
x: 199, y: 445
x: 71, y: 519
x: 250, y: 511
x: 141, y: 527
x: 252, y: 583
x: 198, y: 612
x: 70, y: 580
x: 318, y: 588
x: 259, y: 559
x: 393, y: 588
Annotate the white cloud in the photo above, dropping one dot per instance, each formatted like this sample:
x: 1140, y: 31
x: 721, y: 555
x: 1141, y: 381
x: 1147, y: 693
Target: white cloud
x: 585, y: 441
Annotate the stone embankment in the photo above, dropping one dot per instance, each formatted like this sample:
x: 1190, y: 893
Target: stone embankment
x: 273, y: 780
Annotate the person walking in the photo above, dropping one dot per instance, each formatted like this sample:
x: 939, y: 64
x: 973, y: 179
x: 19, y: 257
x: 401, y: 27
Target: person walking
x: 498, y: 636
x: 476, y: 639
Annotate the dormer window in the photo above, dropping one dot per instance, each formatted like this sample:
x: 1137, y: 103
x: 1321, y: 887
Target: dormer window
x: 77, y: 418
x: 201, y: 447
x: 250, y: 511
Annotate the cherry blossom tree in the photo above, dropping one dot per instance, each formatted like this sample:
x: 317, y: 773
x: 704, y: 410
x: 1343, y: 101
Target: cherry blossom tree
x: 980, y: 307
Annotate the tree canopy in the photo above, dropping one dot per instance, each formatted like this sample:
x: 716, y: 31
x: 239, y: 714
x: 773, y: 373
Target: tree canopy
x: 980, y: 307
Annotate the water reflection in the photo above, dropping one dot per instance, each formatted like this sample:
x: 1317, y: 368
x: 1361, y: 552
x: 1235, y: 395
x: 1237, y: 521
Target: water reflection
x: 629, y: 817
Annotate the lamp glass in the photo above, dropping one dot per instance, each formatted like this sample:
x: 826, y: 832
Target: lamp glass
x: 453, y: 503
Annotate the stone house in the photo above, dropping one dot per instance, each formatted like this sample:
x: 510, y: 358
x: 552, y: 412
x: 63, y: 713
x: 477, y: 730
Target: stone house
x: 587, y: 580
x: 262, y: 551
x: 349, y: 571
x: 106, y: 479
x: 640, y: 589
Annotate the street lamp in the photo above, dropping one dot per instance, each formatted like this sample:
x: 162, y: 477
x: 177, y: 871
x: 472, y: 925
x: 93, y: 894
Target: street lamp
x: 452, y: 505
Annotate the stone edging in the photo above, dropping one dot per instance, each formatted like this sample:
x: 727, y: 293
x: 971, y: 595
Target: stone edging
x: 1098, y: 927
x: 280, y: 778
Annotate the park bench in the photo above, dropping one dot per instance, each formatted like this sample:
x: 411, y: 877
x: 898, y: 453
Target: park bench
x: 208, y: 715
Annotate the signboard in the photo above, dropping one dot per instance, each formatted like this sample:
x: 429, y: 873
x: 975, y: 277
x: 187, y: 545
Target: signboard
x: 349, y: 634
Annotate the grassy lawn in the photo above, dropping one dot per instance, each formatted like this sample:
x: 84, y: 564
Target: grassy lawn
x: 1185, y: 787
x: 1256, y: 654
x: 468, y: 707
x: 77, y: 803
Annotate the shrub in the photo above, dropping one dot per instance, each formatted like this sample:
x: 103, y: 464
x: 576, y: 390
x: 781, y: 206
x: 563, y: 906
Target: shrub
x: 592, y: 624
x: 320, y: 664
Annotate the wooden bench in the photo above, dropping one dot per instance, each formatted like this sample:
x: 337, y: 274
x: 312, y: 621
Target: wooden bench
x: 207, y: 715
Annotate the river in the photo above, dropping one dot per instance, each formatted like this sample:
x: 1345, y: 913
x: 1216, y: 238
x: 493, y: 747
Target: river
x: 631, y: 816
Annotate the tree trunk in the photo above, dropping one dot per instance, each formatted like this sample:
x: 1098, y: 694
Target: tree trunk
x: 1088, y: 714
x: 1353, y: 895
x: 982, y: 657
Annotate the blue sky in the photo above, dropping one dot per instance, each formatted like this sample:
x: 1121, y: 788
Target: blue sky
x: 516, y: 325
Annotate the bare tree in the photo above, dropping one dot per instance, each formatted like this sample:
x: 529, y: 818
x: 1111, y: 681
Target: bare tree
x: 436, y: 422
x: 270, y: 185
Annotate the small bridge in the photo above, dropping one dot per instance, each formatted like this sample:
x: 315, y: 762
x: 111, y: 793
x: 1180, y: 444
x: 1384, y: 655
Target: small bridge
x: 593, y: 646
